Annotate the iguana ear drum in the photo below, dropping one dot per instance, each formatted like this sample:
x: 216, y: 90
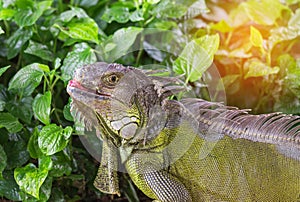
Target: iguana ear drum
x: 128, y: 131
x: 126, y: 127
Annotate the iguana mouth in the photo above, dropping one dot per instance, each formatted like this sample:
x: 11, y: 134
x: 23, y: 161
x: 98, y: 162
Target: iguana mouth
x: 76, y: 85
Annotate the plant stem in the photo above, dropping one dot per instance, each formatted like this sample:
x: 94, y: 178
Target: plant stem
x: 139, y: 56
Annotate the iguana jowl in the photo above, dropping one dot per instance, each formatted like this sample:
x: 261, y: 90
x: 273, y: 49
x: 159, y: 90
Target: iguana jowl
x: 188, y: 150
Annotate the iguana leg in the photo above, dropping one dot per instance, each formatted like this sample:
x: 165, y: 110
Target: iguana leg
x: 156, y: 182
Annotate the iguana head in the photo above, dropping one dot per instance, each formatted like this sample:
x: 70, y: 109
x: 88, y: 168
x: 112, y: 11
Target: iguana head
x: 124, y: 101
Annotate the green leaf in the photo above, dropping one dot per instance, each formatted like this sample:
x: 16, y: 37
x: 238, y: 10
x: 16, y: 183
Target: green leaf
x: 153, y: 1
x: 10, y: 123
x: 287, y: 103
x: 8, y: 187
x: 82, y: 54
x: 53, y: 138
x: 39, y: 50
x: 18, y: 154
x: 44, y: 193
x: 196, y: 57
x: 237, y: 16
x: 23, y: 4
x: 26, y: 79
x: 30, y: 179
x: 82, y: 29
x: 230, y: 83
x: 27, y: 15
x: 67, y: 111
x: 41, y: 107
x: 61, y: 165
x: 170, y: 9
x: 165, y: 25
x: 256, y: 37
x: 123, y: 38
x: 3, y: 97
x: 292, y: 74
x: 130, y: 190
x: 32, y: 146
x: 1, y: 30
x: 57, y: 63
x: 7, y: 13
x: 279, y: 34
x: 294, y: 21
x: 256, y: 68
x: 118, y: 14
x: 136, y: 16
x: 3, y: 69
x: 221, y: 26
x: 16, y: 42
x: 3, y: 159
x: 45, y: 163
x: 57, y: 195
x: 264, y: 12
x: 21, y: 108
x: 68, y: 15
x: 45, y: 190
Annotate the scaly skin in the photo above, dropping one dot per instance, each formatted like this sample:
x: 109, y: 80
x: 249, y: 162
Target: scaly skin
x: 192, y: 150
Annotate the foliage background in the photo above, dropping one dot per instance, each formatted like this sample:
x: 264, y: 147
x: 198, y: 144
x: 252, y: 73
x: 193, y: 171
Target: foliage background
x: 255, y: 46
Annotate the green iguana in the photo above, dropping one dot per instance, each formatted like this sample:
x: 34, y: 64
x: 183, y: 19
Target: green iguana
x: 188, y: 150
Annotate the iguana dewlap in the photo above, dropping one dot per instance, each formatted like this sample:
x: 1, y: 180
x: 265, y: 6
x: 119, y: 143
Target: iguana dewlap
x: 188, y: 150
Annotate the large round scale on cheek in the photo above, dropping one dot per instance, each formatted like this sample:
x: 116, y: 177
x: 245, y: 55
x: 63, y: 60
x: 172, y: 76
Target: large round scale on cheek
x: 128, y: 131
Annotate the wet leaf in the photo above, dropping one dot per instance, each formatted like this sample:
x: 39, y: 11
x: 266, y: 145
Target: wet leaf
x: 28, y: 15
x: 7, y: 13
x: 16, y: 42
x: 18, y: 154
x: 82, y: 29
x: 10, y: 122
x: 53, y: 138
x: 30, y: 179
x: 123, y: 40
x: 170, y: 9
x: 61, y: 165
x: 41, y: 107
x: 256, y: 37
x: 221, y: 26
x: 294, y: 21
x: 256, y: 68
x: 3, y: 69
x: 82, y: 54
x: 57, y: 195
x: 9, y: 188
x: 39, y: 50
x: 280, y: 34
x: 264, y: 12
x: 68, y: 15
x: 21, y: 109
x: 230, y: 83
x: 32, y: 146
x: 67, y: 111
x: 196, y: 57
x: 118, y: 14
x: 26, y: 79
x: 136, y: 16
x: 3, y: 159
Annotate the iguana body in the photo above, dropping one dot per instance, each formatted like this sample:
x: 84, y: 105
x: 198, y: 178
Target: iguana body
x: 191, y: 150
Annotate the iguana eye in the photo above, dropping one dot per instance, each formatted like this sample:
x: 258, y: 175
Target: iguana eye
x: 112, y: 79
